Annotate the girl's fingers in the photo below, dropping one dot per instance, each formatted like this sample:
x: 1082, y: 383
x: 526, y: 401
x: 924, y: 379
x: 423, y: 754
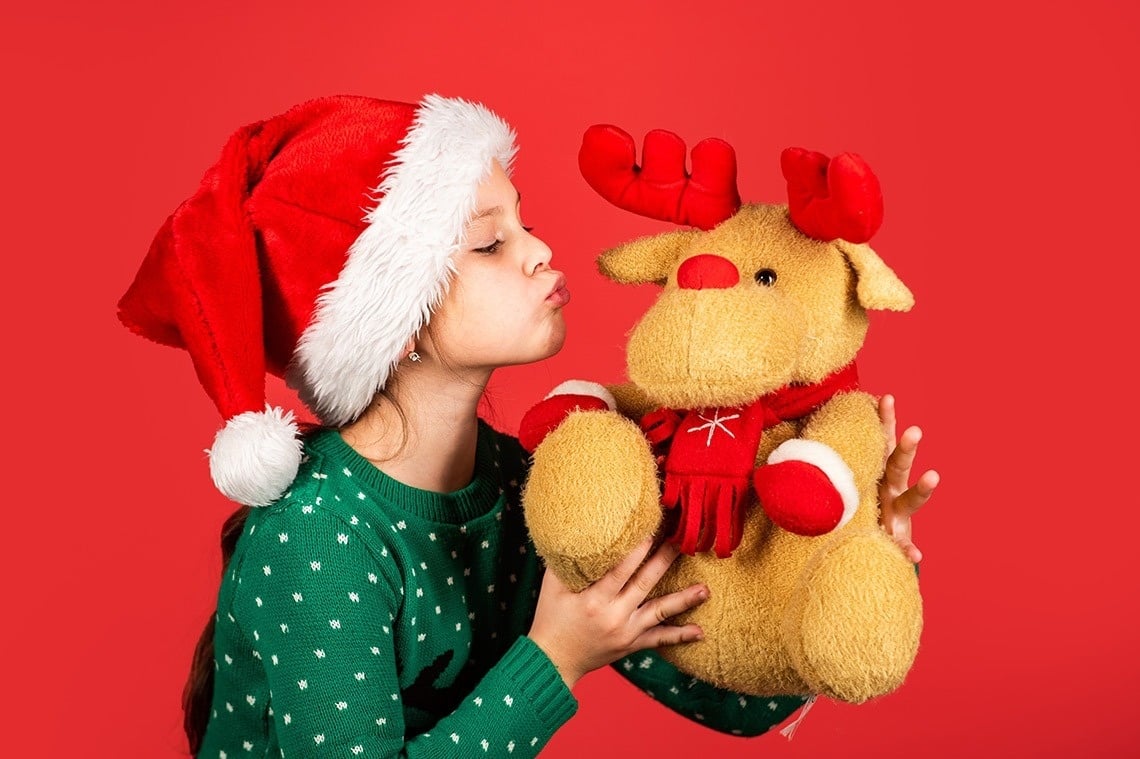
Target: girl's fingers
x: 614, y: 580
x: 667, y: 635
x: 913, y: 498
x: 902, y: 459
x: 650, y: 573
x: 909, y: 549
x: 887, y: 417
x: 658, y: 610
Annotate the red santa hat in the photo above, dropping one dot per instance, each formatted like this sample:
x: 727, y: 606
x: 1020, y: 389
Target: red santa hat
x: 314, y: 249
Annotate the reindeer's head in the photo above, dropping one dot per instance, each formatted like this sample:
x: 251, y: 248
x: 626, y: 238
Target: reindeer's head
x: 757, y: 296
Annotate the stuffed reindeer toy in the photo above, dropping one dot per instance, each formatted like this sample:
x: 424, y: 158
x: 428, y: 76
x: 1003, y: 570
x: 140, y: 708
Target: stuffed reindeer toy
x: 742, y: 435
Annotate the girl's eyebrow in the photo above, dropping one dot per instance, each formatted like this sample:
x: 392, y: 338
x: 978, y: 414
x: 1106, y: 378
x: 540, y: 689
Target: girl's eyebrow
x: 494, y: 210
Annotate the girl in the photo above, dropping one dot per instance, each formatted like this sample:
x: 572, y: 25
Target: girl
x: 383, y: 597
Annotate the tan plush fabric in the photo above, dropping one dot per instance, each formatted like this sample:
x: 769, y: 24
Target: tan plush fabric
x: 839, y: 614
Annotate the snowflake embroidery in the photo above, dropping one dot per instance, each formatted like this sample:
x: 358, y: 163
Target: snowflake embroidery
x: 716, y: 422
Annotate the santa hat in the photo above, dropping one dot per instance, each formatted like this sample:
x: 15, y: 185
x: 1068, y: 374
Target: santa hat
x: 315, y: 248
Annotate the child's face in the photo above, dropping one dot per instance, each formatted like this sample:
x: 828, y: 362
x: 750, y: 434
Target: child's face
x: 504, y: 305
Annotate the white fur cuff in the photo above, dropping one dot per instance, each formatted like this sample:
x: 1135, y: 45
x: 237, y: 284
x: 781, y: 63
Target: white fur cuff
x: 583, y: 387
x: 832, y: 464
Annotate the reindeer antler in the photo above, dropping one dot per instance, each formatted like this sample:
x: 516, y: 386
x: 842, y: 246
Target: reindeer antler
x: 832, y: 198
x: 661, y: 188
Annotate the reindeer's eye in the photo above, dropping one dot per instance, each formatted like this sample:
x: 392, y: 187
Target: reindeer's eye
x: 766, y: 277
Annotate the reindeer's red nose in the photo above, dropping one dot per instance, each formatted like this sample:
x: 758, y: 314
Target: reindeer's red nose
x: 707, y: 271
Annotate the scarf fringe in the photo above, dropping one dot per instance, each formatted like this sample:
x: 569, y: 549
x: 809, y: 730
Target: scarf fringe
x: 712, y: 512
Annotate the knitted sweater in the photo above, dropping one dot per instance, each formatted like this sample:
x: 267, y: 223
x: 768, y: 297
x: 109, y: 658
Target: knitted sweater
x: 362, y: 617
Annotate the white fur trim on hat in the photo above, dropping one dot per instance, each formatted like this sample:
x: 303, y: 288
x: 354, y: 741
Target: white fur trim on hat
x: 584, y: 387
x: 832, y: 464
x: 399, y: 268
x: 256, y: 456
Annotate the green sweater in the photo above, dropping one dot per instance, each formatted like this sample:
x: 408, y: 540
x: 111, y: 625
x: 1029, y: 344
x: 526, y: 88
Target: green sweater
x: 363, y: 617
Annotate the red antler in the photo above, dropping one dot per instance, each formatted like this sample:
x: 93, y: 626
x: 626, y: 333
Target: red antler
x: 829, y: 199
x: 660, y: 188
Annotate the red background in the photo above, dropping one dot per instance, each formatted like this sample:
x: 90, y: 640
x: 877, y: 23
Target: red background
x: 1005, y: 136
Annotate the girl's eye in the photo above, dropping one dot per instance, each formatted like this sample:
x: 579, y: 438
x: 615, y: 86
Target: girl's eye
x: 492, y: 248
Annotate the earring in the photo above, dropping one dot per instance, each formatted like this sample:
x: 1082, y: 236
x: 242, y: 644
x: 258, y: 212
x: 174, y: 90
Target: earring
x: 414, y: 357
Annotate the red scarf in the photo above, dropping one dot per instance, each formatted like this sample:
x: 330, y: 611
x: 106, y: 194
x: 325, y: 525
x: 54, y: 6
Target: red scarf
x: 708, y: 456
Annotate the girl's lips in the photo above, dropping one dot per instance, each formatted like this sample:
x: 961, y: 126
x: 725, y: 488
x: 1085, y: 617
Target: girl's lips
x: 559, y: 297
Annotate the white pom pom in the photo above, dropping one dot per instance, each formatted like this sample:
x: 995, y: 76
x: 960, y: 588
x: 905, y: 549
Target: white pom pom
x: 256, y: 456
x: 584, y: 387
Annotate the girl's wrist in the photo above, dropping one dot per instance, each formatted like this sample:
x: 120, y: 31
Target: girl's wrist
x: 570, y: 675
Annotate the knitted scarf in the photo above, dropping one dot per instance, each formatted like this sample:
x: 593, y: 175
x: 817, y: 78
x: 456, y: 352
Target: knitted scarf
x: 708, y: 456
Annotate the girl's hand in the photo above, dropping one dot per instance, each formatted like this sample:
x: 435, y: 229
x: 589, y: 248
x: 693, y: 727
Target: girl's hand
x: 897, y: 502
x: 581, y: 632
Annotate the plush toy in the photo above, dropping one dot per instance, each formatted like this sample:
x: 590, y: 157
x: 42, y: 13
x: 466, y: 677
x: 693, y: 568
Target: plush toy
x: 742, y: 435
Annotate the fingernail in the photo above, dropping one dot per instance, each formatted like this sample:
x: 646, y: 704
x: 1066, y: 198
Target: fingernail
x: 703, y: 594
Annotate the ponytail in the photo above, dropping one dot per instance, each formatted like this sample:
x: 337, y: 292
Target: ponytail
x: 199, y: 690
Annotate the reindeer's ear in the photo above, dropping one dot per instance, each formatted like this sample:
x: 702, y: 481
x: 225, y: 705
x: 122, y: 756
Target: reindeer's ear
x: 648, y: 259
x: 878, y: 287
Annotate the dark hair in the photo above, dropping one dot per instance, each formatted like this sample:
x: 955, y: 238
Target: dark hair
x: 199, y: 690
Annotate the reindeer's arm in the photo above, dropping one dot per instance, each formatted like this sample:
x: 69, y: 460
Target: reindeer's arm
x: 826, y: 477
x: 631, y: 400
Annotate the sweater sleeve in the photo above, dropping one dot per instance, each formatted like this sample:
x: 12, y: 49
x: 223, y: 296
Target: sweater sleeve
x: 320, y: 608
x: 717, y: 708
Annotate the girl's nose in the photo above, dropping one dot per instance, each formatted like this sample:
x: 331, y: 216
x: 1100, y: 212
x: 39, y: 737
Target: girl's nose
x: 707, y: 271
x: 539, y: 255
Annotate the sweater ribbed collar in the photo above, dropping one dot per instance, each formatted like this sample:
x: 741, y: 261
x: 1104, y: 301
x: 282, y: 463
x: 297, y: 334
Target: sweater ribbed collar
x: 476, y: 499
